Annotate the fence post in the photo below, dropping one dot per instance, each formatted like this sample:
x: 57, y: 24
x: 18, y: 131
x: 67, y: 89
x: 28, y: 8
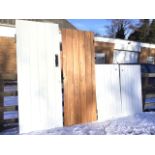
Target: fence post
x: 1, y: 101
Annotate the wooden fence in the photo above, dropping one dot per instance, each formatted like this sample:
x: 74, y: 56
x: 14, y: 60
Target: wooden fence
x: 8, y: 55
x: 7, y: 80
x: 148, y: 91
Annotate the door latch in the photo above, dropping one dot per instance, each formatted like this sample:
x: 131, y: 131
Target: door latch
x: 56, y: 60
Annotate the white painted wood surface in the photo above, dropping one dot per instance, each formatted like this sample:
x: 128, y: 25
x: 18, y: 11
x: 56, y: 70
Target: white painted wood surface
x: 7, y: 31
x: 121, y: 44
x: 108, y: 92
x: 39, y: 80
x: 131, y: 91
x: 125, y: 57
x: 118, y: 91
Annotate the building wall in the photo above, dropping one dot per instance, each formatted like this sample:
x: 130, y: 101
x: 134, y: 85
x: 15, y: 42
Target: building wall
x: 107, y: 48
x: 7, y: 55
x: 102, y: 45
x: 144, y: 50
x: 145, y: 53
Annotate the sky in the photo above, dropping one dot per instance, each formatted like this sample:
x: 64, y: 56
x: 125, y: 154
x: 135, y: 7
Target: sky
x: 95, y: 25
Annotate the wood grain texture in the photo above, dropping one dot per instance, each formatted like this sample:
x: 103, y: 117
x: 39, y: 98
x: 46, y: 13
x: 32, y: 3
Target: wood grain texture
x: 10, y: 77
x: 93, y: 103
x: 145, y: 52
x: 7, y: 55
x: 78, y: 72
x: 13, y: 93
x: 82, y: 78
x: 9, y: 108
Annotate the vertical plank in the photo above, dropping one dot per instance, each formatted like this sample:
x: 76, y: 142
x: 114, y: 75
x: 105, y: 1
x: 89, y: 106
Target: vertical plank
x: 89, y: 86
x: 64, y: 71
x: 82, y: 79
x: 108, y: 92
x: 79, y: 100
x: 90, y: 77
x: 131, y: 91
x: 54, y: 85
x: 76, y: 65
x: 39, y: 79
x: 23, y: 76
x: 93, y: 103
x: 67, y: 36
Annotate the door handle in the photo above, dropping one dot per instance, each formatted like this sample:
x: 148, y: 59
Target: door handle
x: 56, y: 60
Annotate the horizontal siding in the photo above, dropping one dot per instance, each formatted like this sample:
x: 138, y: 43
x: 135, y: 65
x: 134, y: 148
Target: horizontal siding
x: 7, y: 55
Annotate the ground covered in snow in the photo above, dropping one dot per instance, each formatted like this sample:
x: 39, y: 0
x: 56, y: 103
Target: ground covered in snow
x: 143, y: 123
x: 138, y: 124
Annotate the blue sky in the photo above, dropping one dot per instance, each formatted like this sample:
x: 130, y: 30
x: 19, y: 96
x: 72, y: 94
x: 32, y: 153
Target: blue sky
x: 95, y: 25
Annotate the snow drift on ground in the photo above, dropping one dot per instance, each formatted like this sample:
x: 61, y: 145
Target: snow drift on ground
x: 138, y: 124
x: 143, y: 123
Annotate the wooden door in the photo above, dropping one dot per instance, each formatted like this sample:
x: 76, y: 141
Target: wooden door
x: 39, y: 76
x: 79, y: 77
x: 108, y: 92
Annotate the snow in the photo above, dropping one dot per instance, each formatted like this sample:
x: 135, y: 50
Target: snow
x: 139, y: 124
x: 135, y: 125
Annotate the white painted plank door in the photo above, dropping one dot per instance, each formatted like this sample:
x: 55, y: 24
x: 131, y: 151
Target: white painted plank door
x: 131, y: 89
x: 39, y: 79
x: 108, y: 92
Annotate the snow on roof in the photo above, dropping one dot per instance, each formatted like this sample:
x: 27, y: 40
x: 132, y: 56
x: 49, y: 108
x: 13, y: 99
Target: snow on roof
x: 7, y: 31
x: 128, y: 45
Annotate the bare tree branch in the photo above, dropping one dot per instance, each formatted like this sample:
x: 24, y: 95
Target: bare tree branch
x: 119, y: 24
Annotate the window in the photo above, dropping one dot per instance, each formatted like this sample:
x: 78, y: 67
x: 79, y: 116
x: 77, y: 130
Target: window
x: 100, y: 58
x: 151, y: 60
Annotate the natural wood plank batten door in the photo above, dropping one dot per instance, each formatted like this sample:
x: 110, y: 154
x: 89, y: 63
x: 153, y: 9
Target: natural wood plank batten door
x: 79, y: 78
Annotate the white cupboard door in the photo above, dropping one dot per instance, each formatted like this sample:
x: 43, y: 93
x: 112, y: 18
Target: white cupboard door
x: 131, y: 91
x: 108, y: 92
